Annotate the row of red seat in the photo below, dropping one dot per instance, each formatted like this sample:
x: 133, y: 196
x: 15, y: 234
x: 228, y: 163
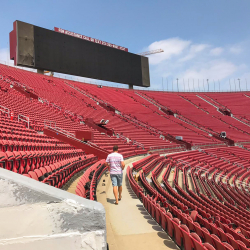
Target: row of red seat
x: 180, y: 233
x: 24, y: 161
x: 221, y: 235
x: 59, y: 173
x: 87, y: 183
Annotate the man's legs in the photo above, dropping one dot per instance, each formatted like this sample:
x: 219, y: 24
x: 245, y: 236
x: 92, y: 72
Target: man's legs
x: 115, y: 193
x: 120, y: 192
x: 114, y: 184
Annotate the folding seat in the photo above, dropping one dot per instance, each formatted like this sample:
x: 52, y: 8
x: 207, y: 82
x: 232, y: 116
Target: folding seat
x: 232, y: 241
x: 23, y: 162
x: 179, y: 214
x: 197, y: 243
x: 245, y: 232
x: 151, y: 209
x: 4, y: 145
x: 208, y: 246
x: 3, y: 159
x: 227, y: 246
x: 25, y: 146
x: 158, y: 213
x: 11, y: 146
x: 198, y: 230
x: 145, y: 200
x: 169, y: 227
x: 54, y: 157
x: 17, y: 161
x: 222, y: 234
x: 48, y: 169
x: 214, y: 229
x: 41, y: 158
x: 39, y: 174
x: 187, y: 242
x: 193, y: 215
x: 190, y: 224
x: 47, y: 158
x: 36, y: 156
x: 32, y: 160
x: 20, y: 146
x: 15, y: 145
x: 10, y: 160
x: 207, y: 236
x: 217, y: 243
x: 177, y: 232
x: 29, y: 157
x: 241, y: 245
x: 33, y: 175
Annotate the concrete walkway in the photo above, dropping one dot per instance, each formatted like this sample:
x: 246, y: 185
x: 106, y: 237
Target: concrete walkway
x: 129, y: 226
x: 72, y: 187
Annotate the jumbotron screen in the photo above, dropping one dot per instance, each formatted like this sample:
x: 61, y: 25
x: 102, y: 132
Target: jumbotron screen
x: 39, y: 48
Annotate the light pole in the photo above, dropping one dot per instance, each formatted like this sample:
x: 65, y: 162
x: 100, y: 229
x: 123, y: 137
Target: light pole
x: 177, y: 84
x: 239, y: 83
x: 207, y: 85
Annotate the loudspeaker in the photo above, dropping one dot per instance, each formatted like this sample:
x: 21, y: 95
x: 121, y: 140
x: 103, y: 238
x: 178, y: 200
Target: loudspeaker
x: 223, y: 134
x: 179, y: 138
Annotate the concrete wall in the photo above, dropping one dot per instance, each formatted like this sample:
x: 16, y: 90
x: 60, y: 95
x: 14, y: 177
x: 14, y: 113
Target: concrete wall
x: 34, y: 215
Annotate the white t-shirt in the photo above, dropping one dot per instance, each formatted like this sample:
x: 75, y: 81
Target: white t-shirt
x: 115, y: 159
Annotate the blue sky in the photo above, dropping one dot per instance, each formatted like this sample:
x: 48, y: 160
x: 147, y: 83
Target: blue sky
x: 201, y: 39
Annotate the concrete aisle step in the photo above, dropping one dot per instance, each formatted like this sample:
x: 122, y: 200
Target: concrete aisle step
x: 180, y: 179
x: 160, y: 175
x: 190, y: 183
x: 129, y: 226
x: 72, y: 187
x: 171, y: 178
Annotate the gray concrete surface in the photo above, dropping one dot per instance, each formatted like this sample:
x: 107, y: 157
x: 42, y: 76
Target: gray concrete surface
x: 34, y: 215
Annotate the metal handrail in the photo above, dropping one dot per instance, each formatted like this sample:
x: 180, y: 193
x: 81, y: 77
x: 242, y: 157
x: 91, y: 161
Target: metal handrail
x: 24, y: 119
x: 50, y: 124
x: 55, y: 106
x: 42, y: 100
x: 123, y: 137
x: 138, y: 143
x: 69, y: 112
x: 65, y: 132
x: 5, y: 110
x: 80, y: 117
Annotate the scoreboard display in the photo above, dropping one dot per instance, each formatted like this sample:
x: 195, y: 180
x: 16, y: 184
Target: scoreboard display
x: 43, y: 49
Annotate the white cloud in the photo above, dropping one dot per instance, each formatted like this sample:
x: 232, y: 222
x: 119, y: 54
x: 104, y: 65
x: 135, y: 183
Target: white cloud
x: 193, y: 51
x: 216, y: 51
x: 211, y: 70
x: 235, y: 49
x: 172, y: 47
x: 184, y: 59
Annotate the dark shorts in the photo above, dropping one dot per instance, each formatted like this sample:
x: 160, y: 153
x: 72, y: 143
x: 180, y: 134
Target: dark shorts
x: 116, y: 179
